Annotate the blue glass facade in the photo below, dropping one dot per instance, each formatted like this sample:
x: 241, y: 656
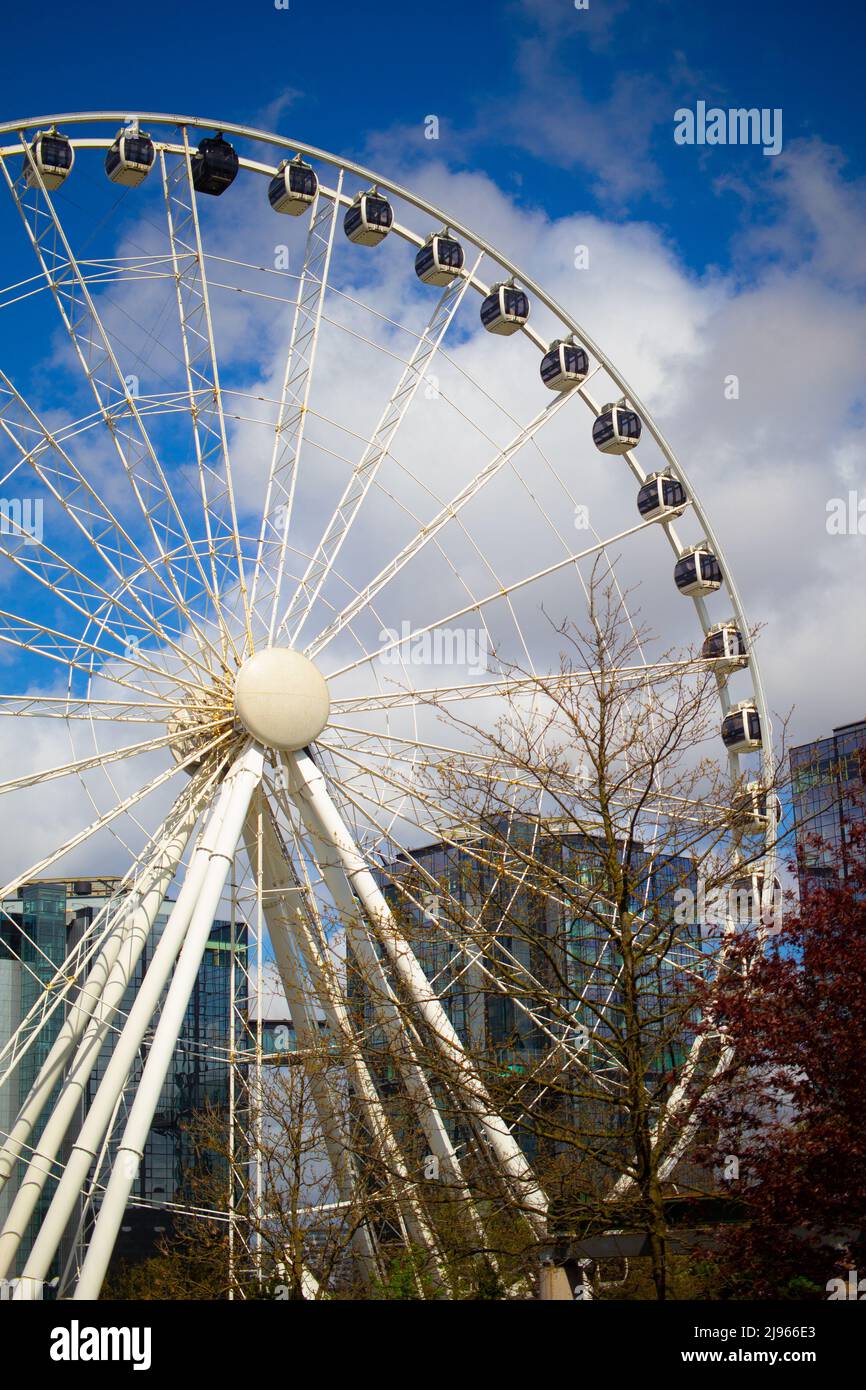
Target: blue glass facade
x: 572, y: 956
x: 38, y: 930
x: 829, y: 797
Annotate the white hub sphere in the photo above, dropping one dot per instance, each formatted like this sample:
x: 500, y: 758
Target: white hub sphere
x: 281, y: 698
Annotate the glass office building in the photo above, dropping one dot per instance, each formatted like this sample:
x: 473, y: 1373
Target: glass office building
x: 38, y: 930
x: 570, y: 954
x: 829, y: 798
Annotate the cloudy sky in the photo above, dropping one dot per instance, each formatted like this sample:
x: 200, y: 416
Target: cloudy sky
x: 555, y: 126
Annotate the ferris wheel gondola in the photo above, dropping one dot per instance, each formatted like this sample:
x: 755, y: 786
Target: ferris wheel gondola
x: 505, y: 310
x: 215, y: 166
x: 131, y: 157
x: 50, y: 159
x: 369, y: 219
x: 564, y: 365
x: 440, y: 260
x: 293, y: 188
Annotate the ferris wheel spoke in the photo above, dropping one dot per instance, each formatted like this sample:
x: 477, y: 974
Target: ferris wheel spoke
x: 558, y: 782
x: 103, y: 711
x: 88, y: 510
x: 408, y: 789
x: 498, y: 767
x: 500, y: 967
x: 37, y: 870
x: 37, y: 639
x: 403, y: 787
x: 504, y: 591
x: 426, y: 534
x: 74, y: 588
x: 343, y: 459
x: 202, y: 372
x: 293, y: 407
x: 504, y: 688
x: 79, y: 765
x: 330, y: 606
x: 68, y: 583
x: 95, y: 937
x: 376, y: 451
x: 118, y: 407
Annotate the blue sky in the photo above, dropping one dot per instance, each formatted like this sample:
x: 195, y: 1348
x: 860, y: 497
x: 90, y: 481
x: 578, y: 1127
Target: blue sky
x: 557, y: 129
x: 569, y: 110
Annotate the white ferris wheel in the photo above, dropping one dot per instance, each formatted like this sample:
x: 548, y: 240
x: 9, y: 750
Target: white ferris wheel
x: 270, y: 459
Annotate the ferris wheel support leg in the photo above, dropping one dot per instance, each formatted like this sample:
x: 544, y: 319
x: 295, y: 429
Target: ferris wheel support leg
x: 388, y: 1014
x: 137, y: 926
x: 99, y: 1115
x: 135, y: 915
x: 318, y: 810
x: 290, y: 968
x: 330, y: 994
x: 242, y: 780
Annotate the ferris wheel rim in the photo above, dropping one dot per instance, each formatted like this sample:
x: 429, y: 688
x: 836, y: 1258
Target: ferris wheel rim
x: 441, y: 216
x: 484, y: 247
x: 482, y: 244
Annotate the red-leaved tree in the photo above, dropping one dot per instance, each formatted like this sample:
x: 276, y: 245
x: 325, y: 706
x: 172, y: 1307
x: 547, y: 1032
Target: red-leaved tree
x: 787, y: 1120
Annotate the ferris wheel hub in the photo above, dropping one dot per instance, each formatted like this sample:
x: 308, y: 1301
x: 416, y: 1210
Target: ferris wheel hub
x: 282, y: 699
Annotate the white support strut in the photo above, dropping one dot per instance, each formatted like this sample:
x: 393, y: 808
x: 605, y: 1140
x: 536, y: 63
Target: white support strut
x: 242, y: 780
x: 87, y: 1024
x: 330, y: 993
x: 318, y: 810
x: 290, y: 965
x: 386, y: 1008
x: 102, y: 1107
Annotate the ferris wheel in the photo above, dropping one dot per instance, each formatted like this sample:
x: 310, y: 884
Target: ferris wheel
x: 295, y: 490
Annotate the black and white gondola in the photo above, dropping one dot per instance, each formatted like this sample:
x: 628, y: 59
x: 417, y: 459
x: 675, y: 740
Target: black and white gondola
x: 214, y: 165
x: 616, y: 429
x: 51, y: 153
x: 725, y: 647
x: 697, y: 571
x: 293, y: 187
x: 661, y: 498
x: 440, y: 260
x: 130, y: 158
x: 564, y: 365
x: 752, y: 809
x: 505, y: 309
x: 741, y: 728
x: 754, y: 899
x: 369, y: 219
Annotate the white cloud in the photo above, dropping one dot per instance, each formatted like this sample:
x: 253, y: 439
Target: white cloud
x: 787, y: 321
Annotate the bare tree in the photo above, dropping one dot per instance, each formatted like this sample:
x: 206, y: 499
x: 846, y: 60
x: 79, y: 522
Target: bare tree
x: 592, y: 861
